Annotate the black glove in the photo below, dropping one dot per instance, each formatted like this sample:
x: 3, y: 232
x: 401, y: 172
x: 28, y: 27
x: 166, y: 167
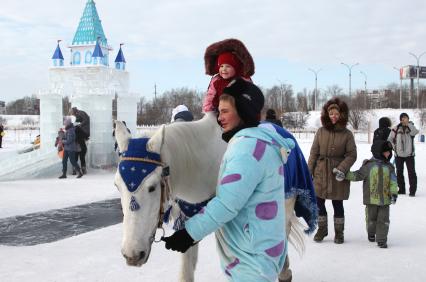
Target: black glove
x: 180, y: 241
x: 393, y: 198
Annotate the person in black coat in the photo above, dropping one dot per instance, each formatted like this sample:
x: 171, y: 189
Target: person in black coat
x: 82, y: 131
x: 271, y: 116
x: 382, y: 133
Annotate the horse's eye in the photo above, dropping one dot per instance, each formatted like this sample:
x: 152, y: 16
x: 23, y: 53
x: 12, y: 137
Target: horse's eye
x: 151, y: 189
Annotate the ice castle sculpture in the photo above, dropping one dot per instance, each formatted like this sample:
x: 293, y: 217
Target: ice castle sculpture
x: 92, y: 84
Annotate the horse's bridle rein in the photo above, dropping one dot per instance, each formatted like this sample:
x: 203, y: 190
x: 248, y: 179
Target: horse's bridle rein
x: 165, y: 187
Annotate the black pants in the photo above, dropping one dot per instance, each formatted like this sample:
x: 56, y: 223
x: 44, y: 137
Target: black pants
x: 82, y: 153
x: 71, y: 156
x: 339, y: 211
x: 1, y: 140
x: 412, y: 176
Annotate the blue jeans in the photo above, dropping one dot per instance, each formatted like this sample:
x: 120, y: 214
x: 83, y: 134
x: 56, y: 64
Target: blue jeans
x: 71, y: 156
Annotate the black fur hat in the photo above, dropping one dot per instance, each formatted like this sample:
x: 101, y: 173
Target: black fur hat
x: 249, y: 100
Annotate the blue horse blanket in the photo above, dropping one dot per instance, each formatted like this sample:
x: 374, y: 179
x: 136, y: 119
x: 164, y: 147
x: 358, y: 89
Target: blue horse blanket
x: 298, y: 181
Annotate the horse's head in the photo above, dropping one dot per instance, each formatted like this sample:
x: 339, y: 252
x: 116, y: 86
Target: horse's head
x: 139, y: 179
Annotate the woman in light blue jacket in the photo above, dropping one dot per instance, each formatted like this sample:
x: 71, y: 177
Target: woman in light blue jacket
x: 247, y: 214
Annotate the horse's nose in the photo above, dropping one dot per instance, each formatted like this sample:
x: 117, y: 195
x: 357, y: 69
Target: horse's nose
x: 134, y: 260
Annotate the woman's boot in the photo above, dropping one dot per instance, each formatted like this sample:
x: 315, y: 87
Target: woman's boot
x: 322, y: 228
x: 339, y: 226
x: 79, y: 173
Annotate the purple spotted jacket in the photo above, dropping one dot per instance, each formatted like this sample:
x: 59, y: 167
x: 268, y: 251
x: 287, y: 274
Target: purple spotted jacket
x: 248, y: 213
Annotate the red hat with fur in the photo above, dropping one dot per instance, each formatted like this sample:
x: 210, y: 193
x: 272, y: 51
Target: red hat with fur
x: 230, y: 59
x: 234, y: 48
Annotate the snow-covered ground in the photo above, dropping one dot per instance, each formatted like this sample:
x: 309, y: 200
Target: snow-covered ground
x: 95, y: 256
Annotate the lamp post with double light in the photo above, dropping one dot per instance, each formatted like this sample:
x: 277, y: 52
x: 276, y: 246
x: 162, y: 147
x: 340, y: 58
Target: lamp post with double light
x: 316, y: 86
x: 418, y: 74
x: 400, y: 86
x: 350, y: 75
x: 365, y: 87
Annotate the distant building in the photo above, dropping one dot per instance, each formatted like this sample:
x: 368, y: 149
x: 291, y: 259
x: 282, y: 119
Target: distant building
x: 377, y: 98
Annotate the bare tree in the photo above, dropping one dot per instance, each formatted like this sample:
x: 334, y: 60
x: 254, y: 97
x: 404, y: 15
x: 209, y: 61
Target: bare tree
x: 159, y: 110
x: 273, y: 98
x: 302, y: 101
x: 421, y: 113
x: 28, y: 121
x: 331, y: 91
x: 357, y: 114
x: 295, y: 120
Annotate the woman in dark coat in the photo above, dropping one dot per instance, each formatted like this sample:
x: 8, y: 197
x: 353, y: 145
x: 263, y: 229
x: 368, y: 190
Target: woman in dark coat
x: 333, y: 148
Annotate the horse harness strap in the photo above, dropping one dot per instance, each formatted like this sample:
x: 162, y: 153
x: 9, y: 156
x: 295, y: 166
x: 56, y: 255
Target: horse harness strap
x: 165, y: 194
x: 144, y: 160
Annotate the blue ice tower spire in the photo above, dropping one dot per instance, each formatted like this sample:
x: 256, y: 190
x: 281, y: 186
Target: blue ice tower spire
x: 97, y: 55
x: 58, y: 58
x: 90, y: 28
x: 90, y: 46
x: 120, y: 61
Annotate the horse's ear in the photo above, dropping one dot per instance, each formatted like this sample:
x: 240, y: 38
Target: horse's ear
x: 156, y: 142
x: 122, y: 136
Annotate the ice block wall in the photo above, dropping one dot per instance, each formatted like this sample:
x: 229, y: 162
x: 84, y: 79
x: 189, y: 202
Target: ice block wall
x: 101, y: 143
x: 127, y: 111
x: 50, y: 119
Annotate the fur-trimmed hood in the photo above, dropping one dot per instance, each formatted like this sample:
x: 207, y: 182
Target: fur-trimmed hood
x: 228, y: 45
x: 344, y: 115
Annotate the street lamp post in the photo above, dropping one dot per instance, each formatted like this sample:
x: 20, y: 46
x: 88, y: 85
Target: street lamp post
x: 316, y: 86
x: 418, y: 74
x: 365, y: 87
x: 400, y: 87
x: 350, y: 74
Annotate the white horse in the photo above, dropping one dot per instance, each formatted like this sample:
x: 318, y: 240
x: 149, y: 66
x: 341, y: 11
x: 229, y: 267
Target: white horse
x: 184, y: 164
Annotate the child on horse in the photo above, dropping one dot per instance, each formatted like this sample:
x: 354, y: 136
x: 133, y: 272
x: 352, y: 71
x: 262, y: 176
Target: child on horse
x: 224, y: 61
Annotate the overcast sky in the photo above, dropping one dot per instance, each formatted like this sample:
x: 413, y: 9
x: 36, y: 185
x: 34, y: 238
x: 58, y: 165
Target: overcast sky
x: 165, y: 40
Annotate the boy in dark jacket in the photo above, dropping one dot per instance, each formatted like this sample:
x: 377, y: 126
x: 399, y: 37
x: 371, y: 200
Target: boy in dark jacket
x: 379, y: 190
x: 382, y: 133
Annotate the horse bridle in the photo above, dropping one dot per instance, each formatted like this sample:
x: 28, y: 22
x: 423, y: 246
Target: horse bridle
x: 165, y: 187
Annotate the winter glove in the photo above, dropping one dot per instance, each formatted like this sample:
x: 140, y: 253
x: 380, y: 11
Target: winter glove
x: 340, y: 176
x: 180, y: 241
x: 393, y: 198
